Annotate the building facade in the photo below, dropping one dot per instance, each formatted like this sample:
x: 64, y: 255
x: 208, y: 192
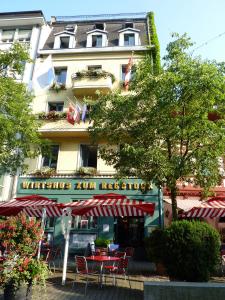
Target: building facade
x: 81, y: 56
x: 27, y: 28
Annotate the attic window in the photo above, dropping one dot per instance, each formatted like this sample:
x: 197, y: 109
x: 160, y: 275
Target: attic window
x: 99, y: 26
x: 129, y: 25
x: 64, y: 42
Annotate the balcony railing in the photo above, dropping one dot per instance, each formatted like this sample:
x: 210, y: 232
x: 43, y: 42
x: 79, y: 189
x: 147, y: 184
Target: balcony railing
x: 88, y: 82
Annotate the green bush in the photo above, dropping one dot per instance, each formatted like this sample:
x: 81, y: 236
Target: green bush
x: 101, y: 242
x: 154, y: 245
x: 191, y: 250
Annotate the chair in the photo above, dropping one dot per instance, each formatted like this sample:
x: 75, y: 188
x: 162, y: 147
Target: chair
x: 82, y: 270
x: 129, y: 252
x: 121, y: 268
x: 119, y: 254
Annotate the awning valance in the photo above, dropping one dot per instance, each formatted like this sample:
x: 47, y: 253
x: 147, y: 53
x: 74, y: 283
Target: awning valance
x: 213, y: 208
x: 31, y: 205
x: 113, y: 207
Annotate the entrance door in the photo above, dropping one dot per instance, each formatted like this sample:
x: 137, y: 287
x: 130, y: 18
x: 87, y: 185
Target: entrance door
x: 129, y: 231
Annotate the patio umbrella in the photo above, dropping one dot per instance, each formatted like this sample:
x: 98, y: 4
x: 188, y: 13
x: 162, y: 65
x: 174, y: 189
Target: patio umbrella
x: 32, y: 206
x: 213, y: 208
x: 111, y: 207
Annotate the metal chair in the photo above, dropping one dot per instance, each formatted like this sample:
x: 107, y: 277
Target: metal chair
x: 82, y: 270
x: 121, y: 268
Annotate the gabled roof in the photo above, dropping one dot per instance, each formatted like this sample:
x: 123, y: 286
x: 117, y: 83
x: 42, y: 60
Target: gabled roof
x: 97, y: 30
x: 129, y: 29
x: 65, y: 32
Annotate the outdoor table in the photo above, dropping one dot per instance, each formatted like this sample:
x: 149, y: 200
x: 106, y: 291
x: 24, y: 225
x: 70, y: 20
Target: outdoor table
x: 102, y: 259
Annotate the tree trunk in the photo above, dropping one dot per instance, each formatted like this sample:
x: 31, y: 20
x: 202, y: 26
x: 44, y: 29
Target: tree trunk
x: 173, y: 190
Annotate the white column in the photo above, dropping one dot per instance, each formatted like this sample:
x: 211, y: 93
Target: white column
x: 66, y: 225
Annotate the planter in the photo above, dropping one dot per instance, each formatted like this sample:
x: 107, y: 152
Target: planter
x: 23, y: 293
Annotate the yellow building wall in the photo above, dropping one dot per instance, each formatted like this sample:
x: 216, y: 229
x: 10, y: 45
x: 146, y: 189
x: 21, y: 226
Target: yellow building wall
x: 68, y: 158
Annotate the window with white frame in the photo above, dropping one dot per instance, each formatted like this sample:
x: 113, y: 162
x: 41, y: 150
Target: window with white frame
x: 60, y: 75
x: 123, y: 72
x: 55, y: 106
x: 97, y: 40
x: 129, y: 39
x: 24, y: 35
x: 88, y: 156
x: 64, y: 42
x: 95, y: 68
x: 51, y: 159
x: 7, y: 35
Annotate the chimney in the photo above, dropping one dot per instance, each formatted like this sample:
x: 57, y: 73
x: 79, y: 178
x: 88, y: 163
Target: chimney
x: 53, y: 19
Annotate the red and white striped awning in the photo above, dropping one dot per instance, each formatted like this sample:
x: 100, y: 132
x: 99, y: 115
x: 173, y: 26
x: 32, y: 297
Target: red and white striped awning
x: 111, y: 207
x: 213, y: 208
x: 32, y: 205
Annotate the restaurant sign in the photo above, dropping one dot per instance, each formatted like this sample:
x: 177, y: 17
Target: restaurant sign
x: 85, y: 185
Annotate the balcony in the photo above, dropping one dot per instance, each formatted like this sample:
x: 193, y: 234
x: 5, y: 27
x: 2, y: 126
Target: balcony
x: 54, y: 124
x: 86, y: 83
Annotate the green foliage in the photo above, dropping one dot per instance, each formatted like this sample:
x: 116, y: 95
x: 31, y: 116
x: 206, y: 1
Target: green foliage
x: 155, y: 51
x: 101, y: 242
x: 87, y: 171
x: 191, y: 250
x: 93, y: 74
x: 52, y: 115
x: 20, y: 236
x: 18, y: 127
x: 162, y: 127
x: 155, y: 246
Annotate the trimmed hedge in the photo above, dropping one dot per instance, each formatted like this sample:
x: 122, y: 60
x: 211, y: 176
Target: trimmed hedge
x: 192, y: 250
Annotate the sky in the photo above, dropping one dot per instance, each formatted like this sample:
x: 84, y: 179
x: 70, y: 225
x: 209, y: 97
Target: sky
x: 202, y: 20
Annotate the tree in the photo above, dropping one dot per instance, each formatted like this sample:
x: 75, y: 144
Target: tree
x: 162, y: 129
x: 18, y: 127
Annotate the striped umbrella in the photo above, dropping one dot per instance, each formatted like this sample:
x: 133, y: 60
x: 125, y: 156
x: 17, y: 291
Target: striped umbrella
x: 113, y: 207
x: 213, y: 208
x: 32, y: 205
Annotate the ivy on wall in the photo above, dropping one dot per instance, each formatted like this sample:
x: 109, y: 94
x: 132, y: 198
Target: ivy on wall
x: 154, y: 42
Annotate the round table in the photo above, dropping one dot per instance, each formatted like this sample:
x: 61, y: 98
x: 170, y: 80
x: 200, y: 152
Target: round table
x: 102, y: 259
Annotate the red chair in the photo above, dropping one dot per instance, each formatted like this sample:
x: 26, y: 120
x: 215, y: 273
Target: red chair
x: 82, y: 270
x: 129, y: 252
x: 121, y: 268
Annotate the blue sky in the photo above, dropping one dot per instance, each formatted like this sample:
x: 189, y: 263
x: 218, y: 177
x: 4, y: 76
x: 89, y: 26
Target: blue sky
x: 203, y: 20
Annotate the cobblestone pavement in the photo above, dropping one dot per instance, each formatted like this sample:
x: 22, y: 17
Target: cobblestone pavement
x: 140, y: 273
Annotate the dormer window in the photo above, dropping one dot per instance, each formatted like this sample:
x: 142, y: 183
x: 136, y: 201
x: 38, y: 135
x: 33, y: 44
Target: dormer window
x: 129, y: 39
x: 129, y: 25
x: 64, y: 42
x: 100, y: 26
x: 97, y: 40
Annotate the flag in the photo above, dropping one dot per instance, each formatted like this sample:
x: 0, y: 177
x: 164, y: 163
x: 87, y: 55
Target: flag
x: 77, y: 114
x: 84, y: 112
x: 70, y: 116
x: 44, y: 76
x: 128, y: 73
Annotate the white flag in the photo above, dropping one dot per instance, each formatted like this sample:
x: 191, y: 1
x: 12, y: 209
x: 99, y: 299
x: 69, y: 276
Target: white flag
x: 44, y: 76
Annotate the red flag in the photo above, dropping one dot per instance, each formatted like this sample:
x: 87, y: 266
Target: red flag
x: 71, y: 114
x: 128, y: 73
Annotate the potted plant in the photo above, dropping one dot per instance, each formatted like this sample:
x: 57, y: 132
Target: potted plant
x: 19, y: 237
